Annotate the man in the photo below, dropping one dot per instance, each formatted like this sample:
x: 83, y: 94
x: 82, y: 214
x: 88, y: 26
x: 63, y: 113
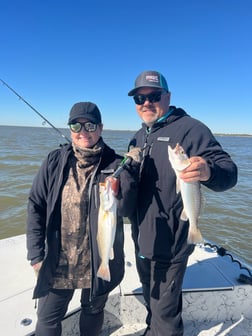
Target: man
x: 159, y: 233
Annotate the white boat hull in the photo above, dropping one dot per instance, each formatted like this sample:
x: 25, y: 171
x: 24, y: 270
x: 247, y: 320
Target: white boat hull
x: 214, y: 302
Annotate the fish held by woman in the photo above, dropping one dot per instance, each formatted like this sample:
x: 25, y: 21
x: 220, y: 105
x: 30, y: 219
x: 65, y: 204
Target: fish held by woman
x: 106, y: 227
x: 190, y: 193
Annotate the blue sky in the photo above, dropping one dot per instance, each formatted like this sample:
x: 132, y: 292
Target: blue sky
x: 55, y: 53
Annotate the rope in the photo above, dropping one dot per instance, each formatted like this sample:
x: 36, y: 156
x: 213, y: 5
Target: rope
x: 223, y: 252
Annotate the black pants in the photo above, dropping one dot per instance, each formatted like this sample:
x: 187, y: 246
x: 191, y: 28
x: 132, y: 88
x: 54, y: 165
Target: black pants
x: 53, y: 307
x: 162, y: 290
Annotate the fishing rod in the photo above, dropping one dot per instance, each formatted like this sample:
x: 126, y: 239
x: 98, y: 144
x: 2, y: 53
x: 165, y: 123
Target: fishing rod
x: 125, y: 161
x: 38, y: 113
x: 122, y: 165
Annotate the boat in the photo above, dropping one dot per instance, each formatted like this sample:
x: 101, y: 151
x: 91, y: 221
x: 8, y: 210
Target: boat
x: 217, y: 294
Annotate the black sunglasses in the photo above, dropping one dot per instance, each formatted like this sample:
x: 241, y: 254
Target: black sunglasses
x: 88, y: 126
x: 153, y: 97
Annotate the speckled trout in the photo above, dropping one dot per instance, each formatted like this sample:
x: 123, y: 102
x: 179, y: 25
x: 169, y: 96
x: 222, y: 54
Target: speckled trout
x: 106, y: 228
x: 190, y: 193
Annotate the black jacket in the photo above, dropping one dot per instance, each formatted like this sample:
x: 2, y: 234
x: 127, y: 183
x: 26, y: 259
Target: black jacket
x: 44, y: 217
x: 158, y: 231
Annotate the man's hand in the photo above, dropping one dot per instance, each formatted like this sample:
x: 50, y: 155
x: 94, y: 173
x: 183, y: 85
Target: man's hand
x: 197, y: 171
x: 135, y: 154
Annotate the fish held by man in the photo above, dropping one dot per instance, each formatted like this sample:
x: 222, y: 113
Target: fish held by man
x: 106, y: 228
x: 190, y: 193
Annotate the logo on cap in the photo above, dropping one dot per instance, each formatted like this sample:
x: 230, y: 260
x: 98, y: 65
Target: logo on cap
x: 152, y: 78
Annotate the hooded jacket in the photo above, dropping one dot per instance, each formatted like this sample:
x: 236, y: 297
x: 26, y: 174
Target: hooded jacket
x: 158, y: 231
x: 44, y: 217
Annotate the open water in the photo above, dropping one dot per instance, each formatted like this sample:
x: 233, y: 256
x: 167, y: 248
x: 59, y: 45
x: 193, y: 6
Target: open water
x: 226, y: 219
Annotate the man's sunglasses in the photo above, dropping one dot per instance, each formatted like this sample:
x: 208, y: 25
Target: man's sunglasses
x: 88, y: 127
x: 153, y: 97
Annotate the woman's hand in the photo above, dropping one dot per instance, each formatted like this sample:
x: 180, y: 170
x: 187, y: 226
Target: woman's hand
x: 114, y: 182
x: 37, y: 267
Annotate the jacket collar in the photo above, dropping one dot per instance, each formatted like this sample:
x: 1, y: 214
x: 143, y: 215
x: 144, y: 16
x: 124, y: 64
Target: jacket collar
x: 173, y: 114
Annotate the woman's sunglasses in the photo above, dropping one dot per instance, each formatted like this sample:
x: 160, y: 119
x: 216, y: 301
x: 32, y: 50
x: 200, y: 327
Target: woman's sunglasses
x: 153, y: 97
x: 88, y: 127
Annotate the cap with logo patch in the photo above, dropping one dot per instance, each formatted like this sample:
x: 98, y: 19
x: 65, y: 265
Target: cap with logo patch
x: 149, y: 79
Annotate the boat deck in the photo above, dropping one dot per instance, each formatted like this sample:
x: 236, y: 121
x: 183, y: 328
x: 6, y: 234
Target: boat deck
x: 215, y: 301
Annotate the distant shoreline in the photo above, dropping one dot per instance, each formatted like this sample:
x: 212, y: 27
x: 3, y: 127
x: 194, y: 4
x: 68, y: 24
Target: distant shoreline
x: 235, y: 134
x: 118, y: 130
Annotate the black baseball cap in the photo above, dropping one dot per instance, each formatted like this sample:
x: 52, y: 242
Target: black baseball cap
x: 85, y: 110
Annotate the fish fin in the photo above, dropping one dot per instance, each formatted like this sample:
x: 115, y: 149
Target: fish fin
x: 195, y: 236
x: 183, y: 215
x: 103, y: 272
x: 111, y: 255
x: 178, y: 188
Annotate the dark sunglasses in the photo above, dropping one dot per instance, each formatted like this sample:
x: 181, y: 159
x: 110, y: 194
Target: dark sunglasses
x: 153, y: 97
x: 88, y: 127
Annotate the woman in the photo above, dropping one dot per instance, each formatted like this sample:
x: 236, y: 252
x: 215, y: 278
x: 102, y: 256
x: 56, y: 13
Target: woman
x: 62, y: 224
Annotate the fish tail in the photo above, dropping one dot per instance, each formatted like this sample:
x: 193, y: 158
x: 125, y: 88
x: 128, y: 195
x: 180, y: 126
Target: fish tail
x: 195, y: 236
x: 103, y: 272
